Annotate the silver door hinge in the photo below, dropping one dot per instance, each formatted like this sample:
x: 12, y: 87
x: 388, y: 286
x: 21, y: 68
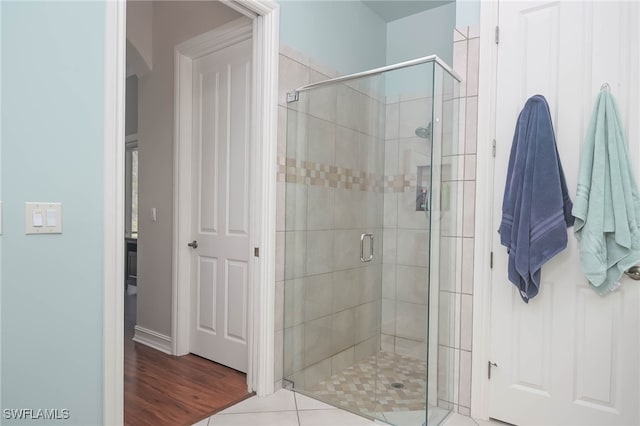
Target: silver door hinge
x: 491, y: 260
x: 489, y: 365
x: 256, y: 251
x: 493, y: 148
x: 497, y: 34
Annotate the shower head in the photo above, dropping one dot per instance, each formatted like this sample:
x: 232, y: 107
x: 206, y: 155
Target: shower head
x: 424, y: 132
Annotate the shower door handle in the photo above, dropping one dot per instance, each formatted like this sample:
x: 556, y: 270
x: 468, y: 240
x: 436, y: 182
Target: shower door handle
x: 362, y: 258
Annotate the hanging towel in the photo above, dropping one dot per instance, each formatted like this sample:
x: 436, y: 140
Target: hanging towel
x: 607, y: 208
x: 536, y: 209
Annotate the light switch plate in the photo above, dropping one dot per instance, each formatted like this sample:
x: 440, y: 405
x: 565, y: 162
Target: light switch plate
x: 42, y: 218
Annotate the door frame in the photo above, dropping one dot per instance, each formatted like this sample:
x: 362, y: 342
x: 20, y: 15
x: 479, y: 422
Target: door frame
x: 265, y: 34
x: 485, y: 164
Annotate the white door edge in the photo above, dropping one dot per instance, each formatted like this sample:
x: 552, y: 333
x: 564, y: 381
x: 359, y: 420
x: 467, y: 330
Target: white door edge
x: 484, y: 225
x: 265, y: 32
x: 113, y: 207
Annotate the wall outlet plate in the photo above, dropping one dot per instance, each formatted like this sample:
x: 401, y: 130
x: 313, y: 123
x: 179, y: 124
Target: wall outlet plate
x: 42, y: 218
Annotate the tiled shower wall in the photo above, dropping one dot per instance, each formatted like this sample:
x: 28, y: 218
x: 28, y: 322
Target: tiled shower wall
x: 456, y: 347
x: 329, y: 190
x: 406, y: 230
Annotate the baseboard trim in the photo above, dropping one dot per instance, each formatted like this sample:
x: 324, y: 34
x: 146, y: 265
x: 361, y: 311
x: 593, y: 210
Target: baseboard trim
x: 153, y: 339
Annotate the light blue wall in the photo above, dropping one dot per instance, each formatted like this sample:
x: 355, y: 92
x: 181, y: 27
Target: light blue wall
x: 344, y: 35
x: 426, y: 33
x: 467, y: 13
x: 422, y: 34
x: 52, y: 142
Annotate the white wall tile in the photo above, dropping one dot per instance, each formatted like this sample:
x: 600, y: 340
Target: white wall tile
x: 348, y: 106
x: 468, y: 226
x: 371, y: 282
x: 291, y: 75
x: 342, y: 330
x: 319, y: 252
x: 413, y: 114
x: 346, y: 249
x: 341, y: 361
x: 388, y: 317
x: 347, y: 147
x: 472, y: 67
x: 412, y: 284
x: 296, y: 207
x: 346, y: 284
x: 390, y: 210
x: 318, y: 296
x: 367, y: 321
x: 320, y: 210
x: 468, y: 262
x: 411, y: 321
x: 471, y: 125
x: 411, y: 348
x: 293, y: 302
x: 317, y: 346
x: 278, y: 343
x: 389, y: 245
x: 464, y: 397
x: 323, y: 101
x: 388, y: 343
x: 317, y: 372
x: 321, y: 141
x: 389, y: 280
x: 293, y: 350
x: 280, y: 252
x: 460, y: 63
x: 295, y: 254
x: 466, y: 321
x: 367, y: 348
x: 413, y: 247
x: 279, y: 309
x: 392, y: 121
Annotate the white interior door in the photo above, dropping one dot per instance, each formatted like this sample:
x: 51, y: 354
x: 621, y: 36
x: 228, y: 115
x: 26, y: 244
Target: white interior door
x: 221, y: 172
x: 570, y: 356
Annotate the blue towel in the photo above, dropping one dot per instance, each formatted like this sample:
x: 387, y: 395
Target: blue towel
x: 536, y: 209
x: 607, y: 206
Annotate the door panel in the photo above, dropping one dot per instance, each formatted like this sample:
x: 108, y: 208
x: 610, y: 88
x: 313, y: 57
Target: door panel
x: 221, y: 120
x: 570, y: 355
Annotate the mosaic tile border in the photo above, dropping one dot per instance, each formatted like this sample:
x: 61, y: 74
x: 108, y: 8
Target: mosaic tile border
x: 303, y: 172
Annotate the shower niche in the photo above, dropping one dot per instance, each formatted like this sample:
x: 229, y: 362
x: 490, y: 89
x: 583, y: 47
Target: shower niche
x: 367, y: 320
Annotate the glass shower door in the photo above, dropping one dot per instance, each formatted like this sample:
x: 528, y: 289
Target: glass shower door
x: 334, y: 240
x: 372, y: 242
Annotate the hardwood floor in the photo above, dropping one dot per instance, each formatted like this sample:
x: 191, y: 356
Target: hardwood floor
x: 161, y: 389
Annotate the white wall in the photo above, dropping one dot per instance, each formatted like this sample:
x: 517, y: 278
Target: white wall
x: 173, y: 23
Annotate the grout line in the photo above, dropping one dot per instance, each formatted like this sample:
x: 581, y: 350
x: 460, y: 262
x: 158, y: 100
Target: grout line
x: 295, y: 401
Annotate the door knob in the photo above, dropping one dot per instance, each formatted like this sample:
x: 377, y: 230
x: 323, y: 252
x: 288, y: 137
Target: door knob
x: 193, y: 244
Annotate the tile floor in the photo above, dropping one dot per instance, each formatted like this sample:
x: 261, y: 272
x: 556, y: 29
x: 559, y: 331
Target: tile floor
x: 287, y: 408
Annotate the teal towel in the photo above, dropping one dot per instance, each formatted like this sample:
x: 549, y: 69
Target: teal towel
x: 607, y: 206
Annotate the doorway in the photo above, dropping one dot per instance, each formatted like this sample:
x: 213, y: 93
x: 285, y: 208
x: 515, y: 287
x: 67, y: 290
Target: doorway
x: 153, y: 331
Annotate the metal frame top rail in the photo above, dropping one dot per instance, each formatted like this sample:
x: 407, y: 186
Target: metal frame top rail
x: 423, y: 60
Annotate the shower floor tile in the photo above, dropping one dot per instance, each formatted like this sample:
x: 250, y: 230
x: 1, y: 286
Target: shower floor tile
x: 366, y: 386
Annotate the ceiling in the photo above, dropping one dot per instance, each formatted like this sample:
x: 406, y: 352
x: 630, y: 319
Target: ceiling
x: 390, y: 10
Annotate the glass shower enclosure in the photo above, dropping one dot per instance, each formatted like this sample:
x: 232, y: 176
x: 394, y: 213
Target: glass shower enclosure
x: 372, y: 196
